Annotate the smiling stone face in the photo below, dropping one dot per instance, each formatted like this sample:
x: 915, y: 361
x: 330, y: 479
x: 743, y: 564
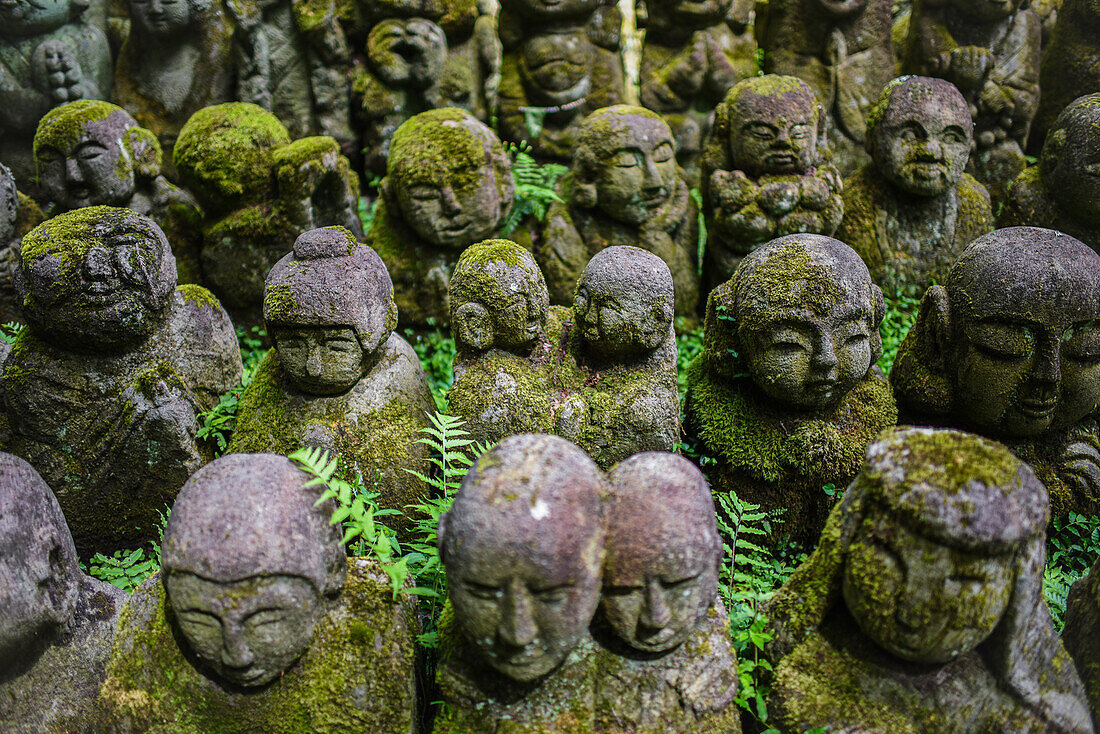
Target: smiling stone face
x: 161, y: 18
x: 773, y: 125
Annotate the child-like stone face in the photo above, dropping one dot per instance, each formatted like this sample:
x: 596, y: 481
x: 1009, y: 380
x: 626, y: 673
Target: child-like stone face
x: 28, y: 17
x: 455, y: 207
x: 408, y: 52
x: 920, y: 600
x: 320, y: 360
x: 774, y: 134
x: 521, y: 320
x: 620, y: 319
x: 92, y: 169
x: 161, y: 18
x: 250, y: 631
x: 639, y: 176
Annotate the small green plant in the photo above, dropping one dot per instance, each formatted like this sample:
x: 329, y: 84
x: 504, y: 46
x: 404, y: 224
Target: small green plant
x: 534, y: 187
x: 368, y: 207
x: 689, y: 345
x: 901, y: 312
x: 127, y: 569
x: 216, y: 424
x: 436, y: 352
x: 10, y: 331
x: 701, y: 240
x: 1073, y: 545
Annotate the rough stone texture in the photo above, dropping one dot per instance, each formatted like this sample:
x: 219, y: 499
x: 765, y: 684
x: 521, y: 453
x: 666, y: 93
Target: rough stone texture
x: 786, y: 395
x: 1071, y: 63
x: 1063, y: 191
x: 1082, y: 634
x: 50, y: 53
x: 102, y: 389
x: 843, y: 50
x: 1008, y: 349
x: 922, y: 609
x: 448, y: 185
x: 561, y: 61
x: 56, y: 624
x: 693, y: 53
x: 910, y: 211
x: 338, y: 377
x: 764, y: 171
x: 259, y: 191
x: 91, y: 153
x: 625, y: 188
x: 18, y: 215
x: 522, y: 546
x: 990, y: 51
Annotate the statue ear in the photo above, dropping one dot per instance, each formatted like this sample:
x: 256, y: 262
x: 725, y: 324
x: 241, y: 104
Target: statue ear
x: 441, y: 536
x: 385, y: 187
x: 1052, y: 150
x: 472, y: 326
x: 935, y: 317
x: 879, y: 314
x: 54, y: 579
x: 584, y: 195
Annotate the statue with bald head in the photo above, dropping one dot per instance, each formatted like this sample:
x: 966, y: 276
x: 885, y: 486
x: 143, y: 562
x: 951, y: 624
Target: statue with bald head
x: 56, y: 624
x: 257, y: 613
x: 911, y: 210
x: 927, y: 591
x: 1008, y: 347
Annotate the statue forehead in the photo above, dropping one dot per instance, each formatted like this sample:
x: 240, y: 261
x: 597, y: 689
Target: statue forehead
x: 778, y: 103
x: 1081, y: 120
x: 810, y: 275
x: 627, y: 129
x: 625, y: 269
x: 78, y: 122
x: 927, y: 97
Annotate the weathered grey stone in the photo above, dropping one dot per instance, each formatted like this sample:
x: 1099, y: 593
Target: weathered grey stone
x: 922, y: 609
x: 18, y: 215
x: 1082, y: 634
x: 56, y: 624
x: 1071, y: 63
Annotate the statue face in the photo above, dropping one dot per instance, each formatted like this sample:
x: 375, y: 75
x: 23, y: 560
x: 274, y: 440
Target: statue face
x: 522, y: 320
x: 408, y: 53
x: 556, y: 62
x: 551, y: 9
x: 30, y: 17
x: 320, y: 360
x: 639, y: 177
x: 247, y: 632
x: 774, y: 135
x: 919, y: 600
x: 620, y: 320
x: 455, y: 208
x: 161, y: 18
x: 93, y: 169
x: 922, y: 146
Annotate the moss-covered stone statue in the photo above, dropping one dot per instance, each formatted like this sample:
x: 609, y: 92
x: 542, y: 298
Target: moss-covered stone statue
x: 1082, y: 634
x: 764, y: 171
x: 257, y: 622
x: 625, y: 188
x: 1070, y: 66
x: 693, y: 53
x: 338, y: 377
x: 665, y: 661
x: 990, y: 51
x: 911, y: 210
x: 50, y: 53
x: 844, y: 50
x: 259, y: 191
x: 786, y: 395
x: 18, y: 215
x: 448, y: 185
x: 102, y: 389
x: 922, y: 609
x: 522, y: 546
x: 90, y: 153
x: 1008, y: 347
x: 1063, y: 191
x: 561, y: 61
x: 56, y: 624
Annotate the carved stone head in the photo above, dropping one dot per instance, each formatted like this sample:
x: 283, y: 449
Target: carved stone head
x: 624, y: 303
x: 329, y: 307
x: 23, y: 18
x: 498, y: 298
x: 249, y: 563
x: 624, y: 163
x: 449, y: 177
x: 919, y: 135
x: 97, y: 278
x: 774, y: 125
x: 1070, y: 163
x: 1010, y: 345
x: 556, y: 67
x: 407, y: 53
x: 523, y: 544
x: 9, y: 206
x: 661, y: 571
x: 92, y: 153
x: 801, y: 317
x: 165, y: 20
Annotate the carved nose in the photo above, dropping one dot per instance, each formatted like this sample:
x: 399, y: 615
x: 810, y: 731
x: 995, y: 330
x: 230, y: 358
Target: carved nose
x: 73, y: 174
x: 314, y: 363
x: 1048, y: 365
x: 824, y: 359
x: 655, y: 612
x: 517, y: 620
x: 97, y: 266
x: 450, y: 201
x: 235, y: 650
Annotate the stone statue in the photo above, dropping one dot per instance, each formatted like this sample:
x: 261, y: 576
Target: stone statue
x: 624, y: 188
x: 990, y: 51
x: 522, y: 546
x: 786, y: 395
x: 764, y: 175
x: 1070, y: 66
x: 176, y: 59
x: 90, y: 153
x: 338, y: 377
x: 922, y: 610
x: 259, y: 191
x: 910, y: 211
x: 448, y: 185
x: 1008, y: 348
x: 49, y: 54
x: 561, y: 61
x: 257, y: 621
x: 56, y: 624
x: 1082, y: 634
x: 102, y: 389
x: 691, y: 57
x: 844, y: 50
x: 1063, y: 191
x: 18, y: 215
x: 666, y: 664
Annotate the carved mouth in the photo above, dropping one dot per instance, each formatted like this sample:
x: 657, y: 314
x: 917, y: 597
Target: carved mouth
x: 928, y: 169
x: 785, y: 160
x: 658, y: 637
x: 1038, y: 408
x: 101, y: 293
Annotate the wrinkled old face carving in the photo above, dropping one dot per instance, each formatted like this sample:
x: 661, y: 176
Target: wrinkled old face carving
x: 556, y: 62
x: 161, y: 18
x: 29, y: 17
x: 408, y: 53
x: 93, y: 169
x: 640, y: 175
x: 456, y: 207
x: 774, y: 134
x: 620, y: 320
x: 922, y: 143
x: 320, y: 360
x: 248, y: 632
x: 922, y: 601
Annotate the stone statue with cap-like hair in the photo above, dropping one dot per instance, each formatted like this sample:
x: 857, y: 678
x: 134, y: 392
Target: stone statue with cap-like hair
x: 257, y: 621
x: 338, y: 377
